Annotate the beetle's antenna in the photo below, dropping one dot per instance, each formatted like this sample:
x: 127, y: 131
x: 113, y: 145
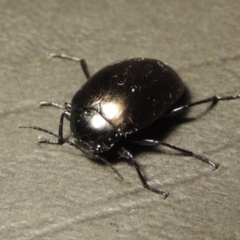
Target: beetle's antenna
x: 109, y: 164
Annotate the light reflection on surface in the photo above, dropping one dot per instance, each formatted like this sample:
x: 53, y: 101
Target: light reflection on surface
x: 111, y: 110
x: 98, y: 121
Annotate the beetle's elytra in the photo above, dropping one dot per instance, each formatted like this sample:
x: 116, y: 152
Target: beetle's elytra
x: 121, y: 99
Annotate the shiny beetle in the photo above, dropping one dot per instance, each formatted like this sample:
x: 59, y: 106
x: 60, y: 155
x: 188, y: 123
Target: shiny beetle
x: 118, y: 101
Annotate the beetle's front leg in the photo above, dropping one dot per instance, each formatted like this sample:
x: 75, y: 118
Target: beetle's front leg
x: 66, y: 106
x: 60, y: 140
x: 81, y: 61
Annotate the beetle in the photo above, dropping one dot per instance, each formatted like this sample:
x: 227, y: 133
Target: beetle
x: 118, y: 101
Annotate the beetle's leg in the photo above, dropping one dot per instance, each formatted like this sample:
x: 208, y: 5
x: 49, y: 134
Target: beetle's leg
x: 48, y: 132
x: 81, y: 61
x: 85, y: 68
x: 66, y: 115
x: 126, y: 154
x: 60, y: 140
x: 212, y: 100
x: 152, y: 142
x: 66, y: 106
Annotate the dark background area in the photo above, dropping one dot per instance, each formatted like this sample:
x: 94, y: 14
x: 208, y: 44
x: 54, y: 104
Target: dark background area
x: 55, y: 192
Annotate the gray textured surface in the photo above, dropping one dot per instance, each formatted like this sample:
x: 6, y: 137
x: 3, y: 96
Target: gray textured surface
x: 52, y: 192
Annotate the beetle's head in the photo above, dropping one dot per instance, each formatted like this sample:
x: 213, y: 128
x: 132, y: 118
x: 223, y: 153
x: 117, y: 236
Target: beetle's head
x: 91, y: 132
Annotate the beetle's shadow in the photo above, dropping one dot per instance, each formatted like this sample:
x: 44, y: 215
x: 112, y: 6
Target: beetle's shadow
x: 160, y: 129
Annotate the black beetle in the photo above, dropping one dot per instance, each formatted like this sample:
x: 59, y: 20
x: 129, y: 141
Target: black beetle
x: 121, y: 99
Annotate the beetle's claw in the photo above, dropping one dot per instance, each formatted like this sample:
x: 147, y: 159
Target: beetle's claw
x: 165, y: 195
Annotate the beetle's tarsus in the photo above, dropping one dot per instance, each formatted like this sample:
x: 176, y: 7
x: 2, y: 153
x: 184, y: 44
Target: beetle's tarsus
x: 165, y: 195
x: 214, y: 166
x: 51, y: 104
x: 64, y: 56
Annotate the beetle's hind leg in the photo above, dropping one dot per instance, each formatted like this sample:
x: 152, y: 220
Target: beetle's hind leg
x: 212, y: 100
x: 152, y: 142
x: 126, y: 154
x: 81, y: 61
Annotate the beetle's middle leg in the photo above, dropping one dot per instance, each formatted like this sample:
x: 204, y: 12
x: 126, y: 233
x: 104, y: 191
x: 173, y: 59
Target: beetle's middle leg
x: 126, y: 154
